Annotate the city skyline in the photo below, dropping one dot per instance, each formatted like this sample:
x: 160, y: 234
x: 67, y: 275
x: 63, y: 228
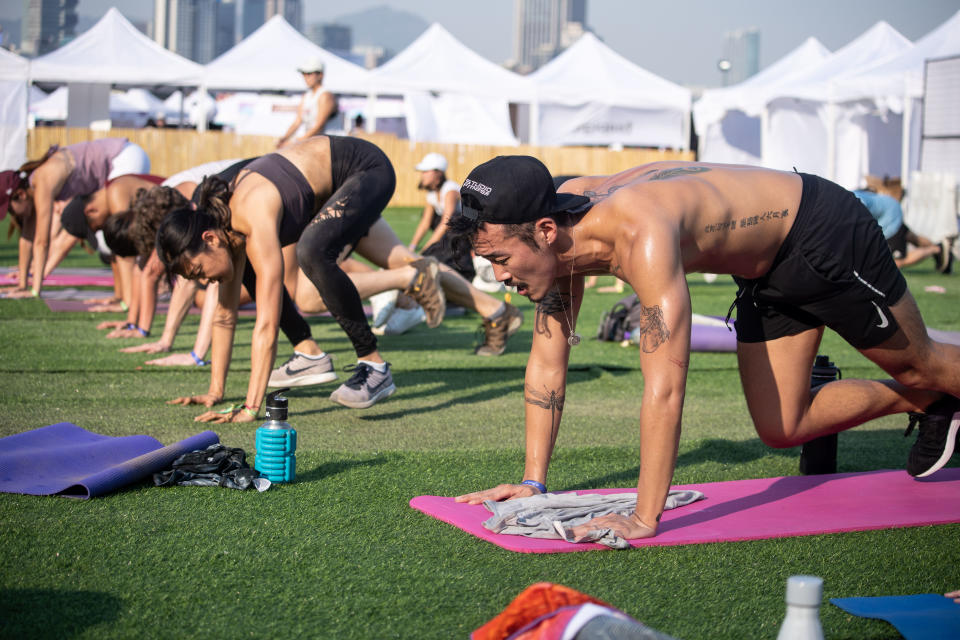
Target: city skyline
x: 692, y: 33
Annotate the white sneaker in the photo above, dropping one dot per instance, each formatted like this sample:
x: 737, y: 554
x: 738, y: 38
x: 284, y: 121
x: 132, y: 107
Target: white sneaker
x: 401, y: 321
x: 301, y: 371
x: 485, y: 280
x: 382, y: 305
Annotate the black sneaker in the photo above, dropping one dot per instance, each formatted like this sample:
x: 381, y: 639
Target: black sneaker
x: 937, y: 437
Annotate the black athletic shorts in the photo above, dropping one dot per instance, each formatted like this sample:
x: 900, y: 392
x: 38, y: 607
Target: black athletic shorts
x: 898, y: 242
x: 834, y: 268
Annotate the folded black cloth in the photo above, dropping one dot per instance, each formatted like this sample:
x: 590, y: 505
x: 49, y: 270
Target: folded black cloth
x: 215, y: 466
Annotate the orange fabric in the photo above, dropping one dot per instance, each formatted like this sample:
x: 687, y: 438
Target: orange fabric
x: 534, y: 601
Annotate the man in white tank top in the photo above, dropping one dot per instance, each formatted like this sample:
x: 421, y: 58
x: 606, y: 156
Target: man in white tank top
x: 316, y: 109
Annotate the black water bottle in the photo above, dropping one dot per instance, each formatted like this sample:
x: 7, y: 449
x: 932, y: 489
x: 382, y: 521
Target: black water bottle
x: 819, y: 456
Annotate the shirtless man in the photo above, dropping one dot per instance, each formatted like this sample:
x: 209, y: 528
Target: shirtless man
x: 805, y: 253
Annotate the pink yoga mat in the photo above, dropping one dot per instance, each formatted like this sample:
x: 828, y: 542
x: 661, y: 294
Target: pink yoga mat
x: 758, y: 509
x: 66, y: 280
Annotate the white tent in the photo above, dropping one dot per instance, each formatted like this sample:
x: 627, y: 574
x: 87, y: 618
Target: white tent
x: 113, y: 52
x: 896, y: 85
x: 52, y: 107
x: 590, y: 94
x: 807, y: 129
x: 198, y: 107
x: 474, y: 93
x: 268, y: 58
x: 727, y: 120
x: 13, y: 109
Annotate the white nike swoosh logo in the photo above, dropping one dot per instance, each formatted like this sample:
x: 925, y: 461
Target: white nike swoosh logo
x: 883, y: 319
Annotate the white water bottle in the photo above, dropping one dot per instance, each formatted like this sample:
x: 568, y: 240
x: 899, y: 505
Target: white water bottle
x: 802, y: 621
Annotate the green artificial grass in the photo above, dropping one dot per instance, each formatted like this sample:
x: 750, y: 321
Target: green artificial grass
x: 340, y: 554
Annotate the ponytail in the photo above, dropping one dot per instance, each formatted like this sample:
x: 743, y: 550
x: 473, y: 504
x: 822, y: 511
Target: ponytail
x: 214, y: 198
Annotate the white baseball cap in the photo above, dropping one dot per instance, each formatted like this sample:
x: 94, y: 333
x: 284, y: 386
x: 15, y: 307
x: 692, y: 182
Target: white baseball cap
x: 313, y: 65
x: 432, y: 161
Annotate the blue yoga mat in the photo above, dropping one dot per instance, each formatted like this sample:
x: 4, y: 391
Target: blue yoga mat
x: 66, y: 460
x: 925, y: 616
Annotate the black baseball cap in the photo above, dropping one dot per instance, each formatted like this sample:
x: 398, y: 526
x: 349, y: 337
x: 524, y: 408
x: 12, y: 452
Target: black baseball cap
x: 514, y: 190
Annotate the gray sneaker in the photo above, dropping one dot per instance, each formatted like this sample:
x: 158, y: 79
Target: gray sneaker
x: 365, y: 387
x: 302, y: 371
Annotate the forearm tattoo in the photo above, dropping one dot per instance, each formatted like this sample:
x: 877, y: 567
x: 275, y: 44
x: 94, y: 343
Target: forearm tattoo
x: 653, y: 329
x: 549, y: 400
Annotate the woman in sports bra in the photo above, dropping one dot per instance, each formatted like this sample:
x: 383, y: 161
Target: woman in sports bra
x: 274, y: 203
x: 31, y: 191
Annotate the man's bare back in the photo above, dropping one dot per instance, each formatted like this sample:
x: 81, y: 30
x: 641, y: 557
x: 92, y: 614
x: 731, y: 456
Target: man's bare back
x: 728, y: 218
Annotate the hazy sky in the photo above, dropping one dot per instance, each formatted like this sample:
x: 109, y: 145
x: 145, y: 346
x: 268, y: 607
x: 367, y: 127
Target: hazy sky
x: 680, y: 40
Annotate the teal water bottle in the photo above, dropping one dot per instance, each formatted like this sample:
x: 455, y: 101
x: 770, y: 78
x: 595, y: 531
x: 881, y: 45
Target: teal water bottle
x: 276, y: 443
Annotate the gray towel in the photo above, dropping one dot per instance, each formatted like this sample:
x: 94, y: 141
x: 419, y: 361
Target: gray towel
x: 553, y: 515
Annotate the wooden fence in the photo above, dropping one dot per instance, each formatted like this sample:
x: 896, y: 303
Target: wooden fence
x: 173, y: 150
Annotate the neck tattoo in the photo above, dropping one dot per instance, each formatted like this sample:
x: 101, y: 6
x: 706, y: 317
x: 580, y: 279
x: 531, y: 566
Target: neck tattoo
x: 574, y: 338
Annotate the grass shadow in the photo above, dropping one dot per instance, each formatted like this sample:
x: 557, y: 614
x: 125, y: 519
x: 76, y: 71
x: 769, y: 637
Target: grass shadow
x: 335, y: 467
x: 54, y: 613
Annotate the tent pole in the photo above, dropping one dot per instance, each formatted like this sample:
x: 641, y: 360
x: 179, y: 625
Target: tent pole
x: 906, y: 129
x: 535, y: 122
x: 832, y: 141
x: 764, y: 136
x: 202, y: 124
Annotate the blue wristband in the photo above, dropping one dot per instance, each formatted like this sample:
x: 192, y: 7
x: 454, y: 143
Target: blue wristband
x: 539, y: 486
x: 143, y: 333
x: 129, y: 326
x: 200, y: 361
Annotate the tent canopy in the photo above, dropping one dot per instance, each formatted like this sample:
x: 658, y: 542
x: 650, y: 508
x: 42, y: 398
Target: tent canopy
x: 879, y: 42
x: 438, y: 62
x: 113, y: 52
x: 590, y: 71
x: 12, y: 66
x: 902, y: 75
x: 268, y: 58
x: 714, y: 103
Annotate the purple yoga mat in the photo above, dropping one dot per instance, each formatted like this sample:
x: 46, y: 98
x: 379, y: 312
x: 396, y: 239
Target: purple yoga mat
x: 704, y: 337
x: 757, y: 509
x: 66, y: 460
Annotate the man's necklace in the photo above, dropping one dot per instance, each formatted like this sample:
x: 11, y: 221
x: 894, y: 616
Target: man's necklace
x: 574, y: 338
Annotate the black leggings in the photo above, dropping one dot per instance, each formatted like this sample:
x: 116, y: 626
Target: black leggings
x: 363, y: 183
x: 293, y: 325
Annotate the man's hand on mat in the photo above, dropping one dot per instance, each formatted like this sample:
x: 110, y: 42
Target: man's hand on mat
x: 207, y: 400
x: 154, y: 347
x: 111, y: 324
x: 173, y: 360
x: 955, y: 595
x: 500, y: 492
x: 627, y: 527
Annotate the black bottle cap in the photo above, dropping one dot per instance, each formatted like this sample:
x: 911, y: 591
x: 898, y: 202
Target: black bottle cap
x: 277, y: 405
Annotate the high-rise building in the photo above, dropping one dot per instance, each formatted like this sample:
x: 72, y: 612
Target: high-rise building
x: 47, y: 24
x: 544, y: 28
x: 291, y: 10
x: 334, y: 37
x: 254, y: 15
x: 226, y: 26
x: 741, y: 55
x: 192, y: 28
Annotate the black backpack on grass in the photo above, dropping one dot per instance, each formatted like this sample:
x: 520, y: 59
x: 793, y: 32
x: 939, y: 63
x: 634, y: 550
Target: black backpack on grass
x: 623, y: 318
